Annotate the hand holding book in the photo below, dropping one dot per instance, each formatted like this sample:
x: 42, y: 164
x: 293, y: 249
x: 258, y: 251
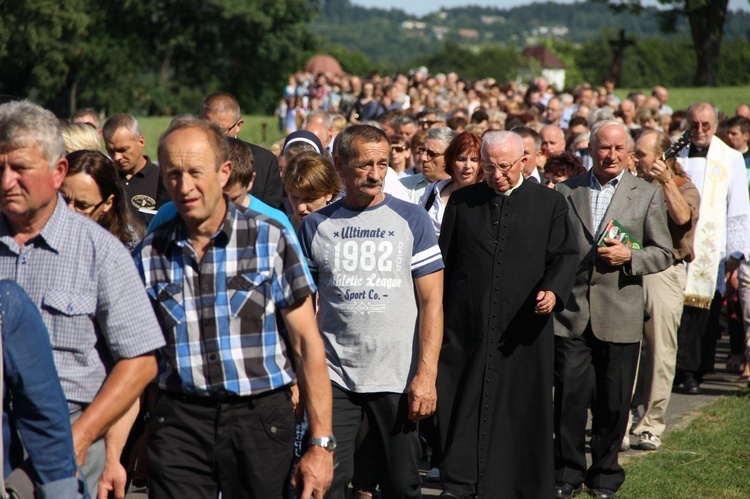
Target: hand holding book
x: 616, y: 244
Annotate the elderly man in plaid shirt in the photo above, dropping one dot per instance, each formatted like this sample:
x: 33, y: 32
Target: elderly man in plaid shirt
x: 216, y: 276
x: 83, y: 280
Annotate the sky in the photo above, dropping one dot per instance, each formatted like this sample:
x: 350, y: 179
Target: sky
x: 422, y: 7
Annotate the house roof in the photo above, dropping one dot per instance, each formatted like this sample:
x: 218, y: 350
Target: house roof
x: 546, y: 58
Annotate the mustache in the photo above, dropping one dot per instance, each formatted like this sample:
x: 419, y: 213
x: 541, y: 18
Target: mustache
x: 370, y: 183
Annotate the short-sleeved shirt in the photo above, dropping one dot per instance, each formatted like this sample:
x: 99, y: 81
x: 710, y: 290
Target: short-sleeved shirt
x: 145, y: 191
x: 92, y: 300
x: 366, y: 262
x: 218, y: 315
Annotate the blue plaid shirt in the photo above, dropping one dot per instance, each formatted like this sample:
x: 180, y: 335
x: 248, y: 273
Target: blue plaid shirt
x: 601, y: 196
x: 218, y: 315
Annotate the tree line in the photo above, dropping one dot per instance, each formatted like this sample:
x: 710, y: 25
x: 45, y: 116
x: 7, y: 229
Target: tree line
x: 161, y: 57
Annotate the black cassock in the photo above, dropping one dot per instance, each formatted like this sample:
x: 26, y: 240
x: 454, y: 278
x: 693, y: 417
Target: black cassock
x: 496, y: 364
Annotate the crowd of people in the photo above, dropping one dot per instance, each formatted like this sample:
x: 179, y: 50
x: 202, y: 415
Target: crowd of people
x: 423, y: 259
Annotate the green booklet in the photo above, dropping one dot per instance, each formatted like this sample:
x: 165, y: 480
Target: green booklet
x: 614, y: 230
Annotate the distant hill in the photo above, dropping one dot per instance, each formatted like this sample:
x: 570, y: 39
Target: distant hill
x: 394, y: 38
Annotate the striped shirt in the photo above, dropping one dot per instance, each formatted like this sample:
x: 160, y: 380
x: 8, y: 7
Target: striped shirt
x: 85, y: 284
x: 218, y: 315
x: 601, y: 196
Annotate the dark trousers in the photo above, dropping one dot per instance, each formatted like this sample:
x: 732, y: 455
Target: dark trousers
x: 395, y: 442
x: 599, y: 374
x: 240, y: 446
x: 692, y: 338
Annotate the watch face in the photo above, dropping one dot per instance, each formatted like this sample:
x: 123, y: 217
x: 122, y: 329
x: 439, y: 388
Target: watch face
x: 331, y: 444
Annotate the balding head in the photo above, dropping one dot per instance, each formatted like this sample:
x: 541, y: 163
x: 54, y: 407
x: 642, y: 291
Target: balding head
x: 702, y: 120
x: 320, y: 123
x: 224, y: 110
x: 553, y: 139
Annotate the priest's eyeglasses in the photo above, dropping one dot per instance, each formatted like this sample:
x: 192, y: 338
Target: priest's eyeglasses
x: 502, y: 168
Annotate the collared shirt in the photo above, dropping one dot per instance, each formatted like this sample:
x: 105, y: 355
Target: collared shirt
x: 146, y: 191
x: 85, y: 284
x: 436, y: 210
x: 510, y: 191
x: 416, y: 185
x: 601, y: 196
x: 218, y: 315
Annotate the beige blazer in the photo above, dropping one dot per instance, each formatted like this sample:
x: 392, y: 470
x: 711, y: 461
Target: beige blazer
x: 611, y: 298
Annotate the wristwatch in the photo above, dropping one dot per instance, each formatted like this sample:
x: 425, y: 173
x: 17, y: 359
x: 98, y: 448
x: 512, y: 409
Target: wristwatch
x: 328, y: 443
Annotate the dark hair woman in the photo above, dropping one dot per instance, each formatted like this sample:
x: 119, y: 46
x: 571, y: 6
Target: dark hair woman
x: 93, y: 188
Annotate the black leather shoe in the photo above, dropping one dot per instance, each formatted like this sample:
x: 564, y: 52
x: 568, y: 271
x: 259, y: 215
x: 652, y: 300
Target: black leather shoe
x: 564, y: 490
x: 602, y: 493
x: 691, y: 385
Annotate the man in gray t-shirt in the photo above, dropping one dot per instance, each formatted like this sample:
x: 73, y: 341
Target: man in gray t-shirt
x: 369, y: 252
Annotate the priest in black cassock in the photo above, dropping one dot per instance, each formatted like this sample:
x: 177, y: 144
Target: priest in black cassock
x: 510, y: 260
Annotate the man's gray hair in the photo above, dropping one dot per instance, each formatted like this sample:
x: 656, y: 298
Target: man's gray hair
x: 599, y: 126
x: 24, y: 121
x: 323, y: 115
x: 118, y: 121
x: 441, y: 133
x: 500, y: 138
x: 404, y: 119
x: 702, y: 105
x: 601, y: 114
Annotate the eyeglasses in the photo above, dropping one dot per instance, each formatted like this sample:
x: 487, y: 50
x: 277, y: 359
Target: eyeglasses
x: 227, y: 130
x: 430, y: 154
x: 704, y: 125
x: 399, y: 148
x: 81, y: 207
x: 490, y: 169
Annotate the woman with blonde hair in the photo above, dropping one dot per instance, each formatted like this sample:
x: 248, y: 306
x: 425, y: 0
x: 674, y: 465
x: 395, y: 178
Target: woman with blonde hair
x: 80, y: 137
x: 311, y: 182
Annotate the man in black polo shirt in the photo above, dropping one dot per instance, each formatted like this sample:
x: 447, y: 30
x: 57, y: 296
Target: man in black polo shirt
x: 224, y: 110
x: 143, y: 185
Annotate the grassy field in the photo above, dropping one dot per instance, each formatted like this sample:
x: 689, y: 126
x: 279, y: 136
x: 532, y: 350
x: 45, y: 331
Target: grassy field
x: 725, y: 98
x: 709, y: 458
x: 252, y: 130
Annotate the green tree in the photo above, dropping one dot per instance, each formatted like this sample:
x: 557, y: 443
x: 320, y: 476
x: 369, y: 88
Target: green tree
x: 706, y: 20
x: 40, y: 42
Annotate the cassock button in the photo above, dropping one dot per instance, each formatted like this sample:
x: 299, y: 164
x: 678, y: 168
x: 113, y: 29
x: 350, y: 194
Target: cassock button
x: 494, y: 242
x: 497, y: 275
x: 490, y: 355
x: 505, y: 225
x: 503, y: 238
x: 494, y: 315
x: 495, y: 223
x: 494, y: 205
